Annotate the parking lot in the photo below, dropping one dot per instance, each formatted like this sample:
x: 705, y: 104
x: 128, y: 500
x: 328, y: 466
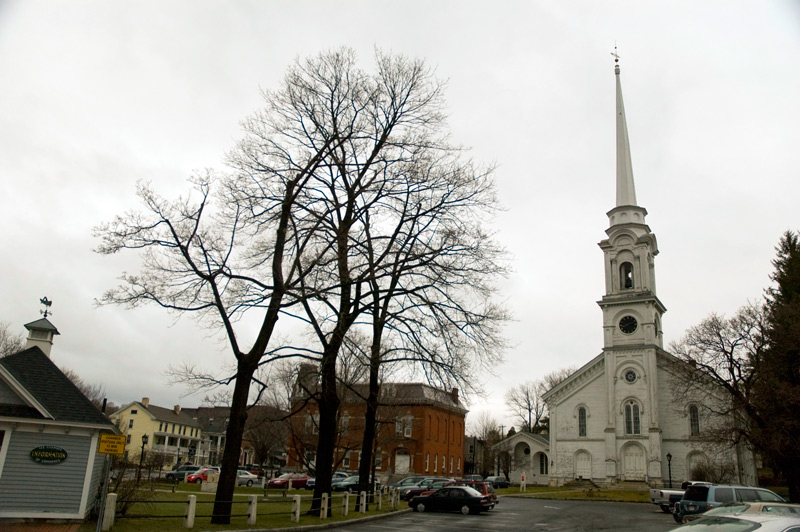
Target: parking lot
x: 516, y: 514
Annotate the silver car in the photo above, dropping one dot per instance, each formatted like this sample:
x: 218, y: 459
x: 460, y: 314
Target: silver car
x: 245, y: 478
x: 742, y: 523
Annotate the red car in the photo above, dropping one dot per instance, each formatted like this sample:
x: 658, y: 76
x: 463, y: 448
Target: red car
x: 299, y: 481
x: 201, y: 475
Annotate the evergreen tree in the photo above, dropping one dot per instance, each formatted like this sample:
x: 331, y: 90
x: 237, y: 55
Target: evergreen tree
x: 776, y: 393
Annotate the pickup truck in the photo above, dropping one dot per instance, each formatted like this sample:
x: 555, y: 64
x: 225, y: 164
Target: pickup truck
x: 666, y: 498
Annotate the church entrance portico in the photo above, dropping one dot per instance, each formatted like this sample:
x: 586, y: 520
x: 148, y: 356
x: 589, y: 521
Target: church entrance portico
x: 633, y: 462
x: 583, y: 465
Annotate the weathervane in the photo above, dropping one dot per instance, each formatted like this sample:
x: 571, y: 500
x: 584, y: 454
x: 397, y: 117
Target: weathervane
x: 615, y: 54
x: 47, y: 304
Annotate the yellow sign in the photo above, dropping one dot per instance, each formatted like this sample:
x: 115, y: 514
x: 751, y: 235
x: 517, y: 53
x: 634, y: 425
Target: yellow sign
x: 111, y: 444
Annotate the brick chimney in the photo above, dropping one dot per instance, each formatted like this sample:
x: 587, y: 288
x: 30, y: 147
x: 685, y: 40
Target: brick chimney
x: 454, y: 395
x: 145, y: 402
x: 176, y: 409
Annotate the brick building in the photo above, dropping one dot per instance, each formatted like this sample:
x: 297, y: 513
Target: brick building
x: 420, y: 431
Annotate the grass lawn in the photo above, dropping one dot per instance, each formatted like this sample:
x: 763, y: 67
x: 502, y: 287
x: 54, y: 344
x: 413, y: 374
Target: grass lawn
x: 166, y: 515
x: 553, y: 492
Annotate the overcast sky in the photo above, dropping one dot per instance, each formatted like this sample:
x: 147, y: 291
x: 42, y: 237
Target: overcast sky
x: 95, y: 95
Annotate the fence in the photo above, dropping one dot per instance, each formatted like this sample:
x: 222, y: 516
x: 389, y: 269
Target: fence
x: 293, y: 507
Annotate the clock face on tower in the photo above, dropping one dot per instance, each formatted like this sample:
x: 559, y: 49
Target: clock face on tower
x: 628, y: 324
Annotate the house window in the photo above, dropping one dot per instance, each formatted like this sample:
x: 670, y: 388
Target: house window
x: 444, y: 463
x: 315, y: 427
x: 346, y: 460
x: 459, y: 463
x: 626, y: 275
x: 378, y: 458
x: 542, y: 464
x: 435, y: 463
x: 694, y: 421
x: 582, y: 422
x: 430, y: 426
x: 128, y: 439
x: 427, y: 462
x: 632, y: 422
x: 161, y: 426
x: 409, y: 423
x: 345, y: 422
x: 134, y: 412
x: 130, y: 423
x: 451, y: 463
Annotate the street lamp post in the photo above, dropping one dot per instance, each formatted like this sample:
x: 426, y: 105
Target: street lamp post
x: 669, y: 468
x: 141, y: 458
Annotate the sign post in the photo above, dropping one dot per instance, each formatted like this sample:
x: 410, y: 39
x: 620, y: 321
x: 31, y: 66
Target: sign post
x: 108, y: 444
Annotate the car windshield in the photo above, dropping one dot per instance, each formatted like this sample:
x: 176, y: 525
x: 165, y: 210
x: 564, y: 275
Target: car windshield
x: 472, y: 492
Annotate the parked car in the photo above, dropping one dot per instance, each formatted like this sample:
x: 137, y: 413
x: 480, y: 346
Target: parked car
x: 484, y: 488
x: 452, y: 499
x: 742, y: 523
x: 408, y: 481
x: 476, y: 478
x: 666, y: 498
x: 700, y: 498
x: 201, y: 475
x: 298, y: 481
x: 497, y: 482
x: 350, y: 484
x: 337, y: 476
x: 427, y: 488
x: 245, y: 478
x: 738, y: 508
x: 181, y: 472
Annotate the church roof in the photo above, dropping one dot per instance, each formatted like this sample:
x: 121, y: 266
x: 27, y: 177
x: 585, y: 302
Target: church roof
x: 46, y: 391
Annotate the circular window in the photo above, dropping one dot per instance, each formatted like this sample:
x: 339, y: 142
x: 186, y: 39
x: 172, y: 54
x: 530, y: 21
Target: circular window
x: 527, y: 450
x: 630, y: 376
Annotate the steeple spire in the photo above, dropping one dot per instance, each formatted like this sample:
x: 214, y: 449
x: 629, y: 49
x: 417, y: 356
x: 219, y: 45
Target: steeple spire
x: 626, y: 192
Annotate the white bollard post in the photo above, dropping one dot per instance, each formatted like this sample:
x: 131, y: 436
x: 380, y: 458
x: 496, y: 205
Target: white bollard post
x: 346, y: 503
x: 379, y: 495
x: 252, y: 509
x: 296, y: 509
x: 110, y: 511
x: 191, y: 508
x: 362, y: 502
x: 323, y: 507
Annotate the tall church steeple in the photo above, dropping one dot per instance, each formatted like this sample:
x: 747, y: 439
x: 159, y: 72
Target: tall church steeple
x: 626, y: 192
x: 632, y: 311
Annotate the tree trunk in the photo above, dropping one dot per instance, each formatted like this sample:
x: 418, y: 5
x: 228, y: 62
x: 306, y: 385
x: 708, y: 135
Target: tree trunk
x: 370, y: 432
x: 328, y: 408
x: 233, y: 446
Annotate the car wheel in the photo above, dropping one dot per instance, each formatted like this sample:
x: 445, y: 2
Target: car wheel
x: 420, y: 507
x: 465, y: 510
x: 249, y: 483
x: 678, y: 518
x: 199, y: 481
x: 666, y: 509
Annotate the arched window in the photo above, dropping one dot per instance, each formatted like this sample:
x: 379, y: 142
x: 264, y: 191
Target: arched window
x: 694, y: 421
x: 632, y: 422
x: 543, y: 463
x: 427, y: 462
x: 582, y: 421
x: 626, y: 275
x: 435, y: 463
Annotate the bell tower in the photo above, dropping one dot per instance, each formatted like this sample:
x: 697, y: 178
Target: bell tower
x: 632, y: 334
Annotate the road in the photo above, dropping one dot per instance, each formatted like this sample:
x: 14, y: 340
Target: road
x: 517, y: 514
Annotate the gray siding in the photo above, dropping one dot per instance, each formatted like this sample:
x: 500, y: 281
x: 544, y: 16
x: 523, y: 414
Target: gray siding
x: 26, y: 486
x: 8, y: 396
x: 96, y: 480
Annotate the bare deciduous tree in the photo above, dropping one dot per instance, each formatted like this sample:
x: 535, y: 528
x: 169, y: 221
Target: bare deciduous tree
x: 10, y: 343
x: 525, y: 402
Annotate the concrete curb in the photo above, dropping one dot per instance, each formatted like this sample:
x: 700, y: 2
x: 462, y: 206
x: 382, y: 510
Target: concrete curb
x: 324, y: 526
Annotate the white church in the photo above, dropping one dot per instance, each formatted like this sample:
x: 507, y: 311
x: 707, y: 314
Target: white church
x: 616, y: 418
